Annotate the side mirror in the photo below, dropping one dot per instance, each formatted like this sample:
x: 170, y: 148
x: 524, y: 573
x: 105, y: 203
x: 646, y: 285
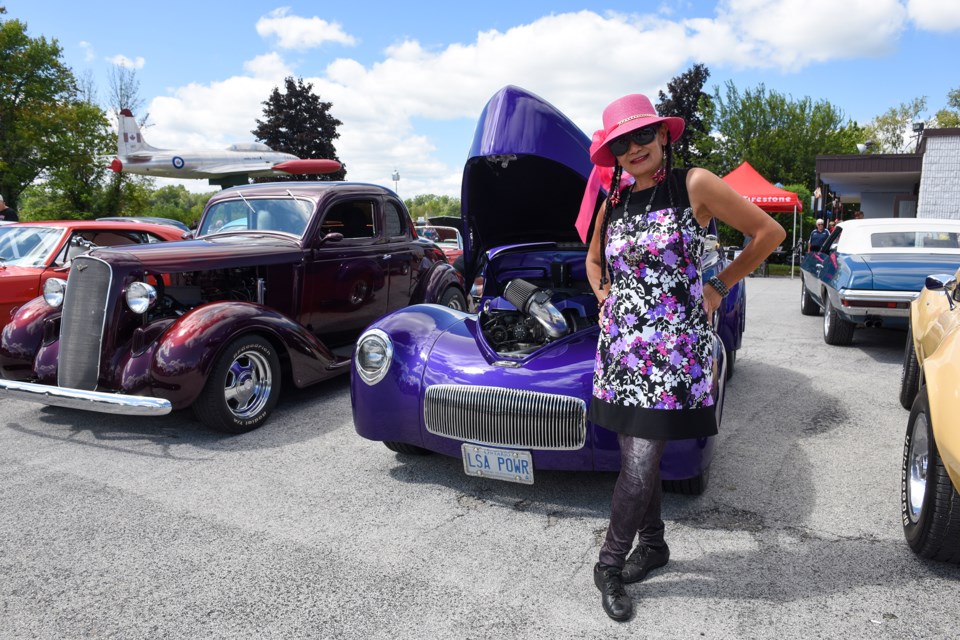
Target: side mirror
x: 333, y: 236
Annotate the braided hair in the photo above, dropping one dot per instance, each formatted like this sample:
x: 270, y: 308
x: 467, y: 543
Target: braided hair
x: 611, y: 201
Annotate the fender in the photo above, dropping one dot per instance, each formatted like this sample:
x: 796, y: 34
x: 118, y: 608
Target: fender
x: 941, y: 370
x: 23, y: 336
x: 186, y: 352
x: 931, y: 319
x: 438, y: 278
x: 395, y: 400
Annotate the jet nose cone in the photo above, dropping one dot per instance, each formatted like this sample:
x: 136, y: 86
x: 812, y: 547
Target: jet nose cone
x: 116, y: 165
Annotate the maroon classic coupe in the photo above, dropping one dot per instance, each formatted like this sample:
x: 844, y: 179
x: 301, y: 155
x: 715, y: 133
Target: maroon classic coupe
x: 280, y: 281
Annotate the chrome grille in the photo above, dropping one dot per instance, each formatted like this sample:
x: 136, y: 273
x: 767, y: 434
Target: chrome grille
x: 81, y: 324
x: 508, y: 417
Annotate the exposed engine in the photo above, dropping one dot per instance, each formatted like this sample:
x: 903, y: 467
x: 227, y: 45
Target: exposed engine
x: 539, y: 316
x: 187, y: 290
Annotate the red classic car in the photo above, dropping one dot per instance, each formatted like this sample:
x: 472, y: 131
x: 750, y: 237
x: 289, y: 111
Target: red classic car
x: 279, y: 282
x: 447, y: 238
x: 32, y: 252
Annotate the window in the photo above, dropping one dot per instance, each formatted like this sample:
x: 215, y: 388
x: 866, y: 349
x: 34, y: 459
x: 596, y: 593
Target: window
x: 353, y: 219
x: 915, y: 239
x: 393, y: 220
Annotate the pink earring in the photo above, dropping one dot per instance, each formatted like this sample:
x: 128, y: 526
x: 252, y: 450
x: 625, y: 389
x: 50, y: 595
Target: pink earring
x: 660, y: 174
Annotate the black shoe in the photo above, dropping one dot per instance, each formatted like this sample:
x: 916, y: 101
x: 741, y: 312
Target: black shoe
x: 615, y: 600
x: 643, y: 560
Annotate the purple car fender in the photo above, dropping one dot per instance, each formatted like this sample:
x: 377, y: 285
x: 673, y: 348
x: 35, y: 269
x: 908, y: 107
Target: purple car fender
x: 22, y: 339
x: 178, y: 363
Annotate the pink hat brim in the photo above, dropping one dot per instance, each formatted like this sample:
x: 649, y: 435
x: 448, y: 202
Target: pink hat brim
x: 599, y: 151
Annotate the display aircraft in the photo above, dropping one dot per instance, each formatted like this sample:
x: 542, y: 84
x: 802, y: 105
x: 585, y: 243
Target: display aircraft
x: 228, y: 167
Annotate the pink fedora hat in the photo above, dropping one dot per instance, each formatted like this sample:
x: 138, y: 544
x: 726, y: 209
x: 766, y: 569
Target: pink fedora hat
x: 623, y: 116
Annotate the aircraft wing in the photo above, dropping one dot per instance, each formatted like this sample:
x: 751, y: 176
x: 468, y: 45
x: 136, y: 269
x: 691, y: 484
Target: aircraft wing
x: 229, y: 168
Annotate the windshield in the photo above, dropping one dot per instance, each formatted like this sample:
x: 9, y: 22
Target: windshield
x: 443, y: 236
x: 24, y: 246
x: 287, y: 215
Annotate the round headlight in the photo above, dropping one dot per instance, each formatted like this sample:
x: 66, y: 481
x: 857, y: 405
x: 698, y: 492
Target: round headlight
x: 373, y: 356
x: 140, y: 297
x: 53, y: 290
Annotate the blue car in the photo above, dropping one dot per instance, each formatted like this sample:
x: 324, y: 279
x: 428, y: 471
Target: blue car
x: 868, y: 271
x: 506, y: 389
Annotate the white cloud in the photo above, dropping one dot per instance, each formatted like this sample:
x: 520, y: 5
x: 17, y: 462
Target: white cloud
x: 792, y: 34
x: 578, y: 61
x: 935, y: 15
x: 294, y: 32
x: 123, y: 61
x: 89, y: 55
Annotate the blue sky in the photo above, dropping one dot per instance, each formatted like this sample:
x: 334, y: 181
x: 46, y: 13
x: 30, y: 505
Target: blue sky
x: 408, y: 79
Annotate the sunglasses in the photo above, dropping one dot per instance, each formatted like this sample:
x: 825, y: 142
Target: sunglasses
x: 620, y: 145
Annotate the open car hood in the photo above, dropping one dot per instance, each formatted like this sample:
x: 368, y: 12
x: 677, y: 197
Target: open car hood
x: 524, y: 177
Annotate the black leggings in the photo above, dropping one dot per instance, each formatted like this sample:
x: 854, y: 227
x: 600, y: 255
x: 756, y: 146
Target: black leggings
x: 636, y: 500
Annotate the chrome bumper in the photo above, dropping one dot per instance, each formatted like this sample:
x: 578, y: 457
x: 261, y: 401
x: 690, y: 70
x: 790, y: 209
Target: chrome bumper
x: 864, y: 302
x: 87, y: 400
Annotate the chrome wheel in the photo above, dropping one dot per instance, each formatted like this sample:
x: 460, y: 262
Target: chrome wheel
x: 917, y: 461
x: 247, y: 385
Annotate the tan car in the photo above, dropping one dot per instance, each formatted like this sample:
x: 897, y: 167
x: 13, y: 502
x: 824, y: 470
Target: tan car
x: 930, y: 388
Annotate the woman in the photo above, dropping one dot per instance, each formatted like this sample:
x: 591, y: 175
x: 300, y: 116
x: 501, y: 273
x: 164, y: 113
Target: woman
x: 653, y: 379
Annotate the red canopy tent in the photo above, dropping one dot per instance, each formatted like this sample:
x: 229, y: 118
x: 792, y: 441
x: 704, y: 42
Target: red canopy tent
x: 751, y: 185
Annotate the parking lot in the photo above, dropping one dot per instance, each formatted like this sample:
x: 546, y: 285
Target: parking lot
x: 158, y: 528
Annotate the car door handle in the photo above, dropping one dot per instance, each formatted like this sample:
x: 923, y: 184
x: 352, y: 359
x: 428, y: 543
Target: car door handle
x: 387, y: 256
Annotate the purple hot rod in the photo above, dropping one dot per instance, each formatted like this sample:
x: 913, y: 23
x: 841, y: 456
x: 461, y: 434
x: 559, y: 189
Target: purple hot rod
x: 277, y: 286
x: 506, y: 389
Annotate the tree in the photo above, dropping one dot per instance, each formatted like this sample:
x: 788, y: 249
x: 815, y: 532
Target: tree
x: 298, y: 122
x: 77, y: 177
x: 123, y: 193
x: 892, y: 131
x: 428, y: 206
x: 778, y: 135
x: 949, y: 117
x: 688, y: 101
x: 34, y: 87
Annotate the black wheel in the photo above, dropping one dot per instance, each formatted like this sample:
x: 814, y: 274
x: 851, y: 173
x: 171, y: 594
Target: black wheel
x: 243, y: 387
x: 689, y: 487
x: 731, y: 362
x: 808, y: 306
x: 909, y: 374
x: 836, y: 330
x: 454, y: 299
x: 929, y: 504
x: 409, y: 449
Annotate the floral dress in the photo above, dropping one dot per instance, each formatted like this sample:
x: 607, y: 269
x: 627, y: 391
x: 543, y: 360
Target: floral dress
x: 654, y: 365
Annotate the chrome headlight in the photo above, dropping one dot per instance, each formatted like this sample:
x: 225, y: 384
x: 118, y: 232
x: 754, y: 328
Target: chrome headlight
x: 53, y: 290
x: 373, y: 356
x: 140, y: 297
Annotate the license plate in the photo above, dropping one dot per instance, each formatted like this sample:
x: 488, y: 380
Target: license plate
x: 511, y: 465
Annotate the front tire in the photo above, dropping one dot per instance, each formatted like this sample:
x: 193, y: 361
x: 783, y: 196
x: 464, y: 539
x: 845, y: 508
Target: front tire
x: 407, y: 449
x: 929, y: 504
x: 243, y: 387
x: 453, y: 299
x: 836, y: 330
x: 909, y: 374
x: 808, y: 306
x: 690, y: 487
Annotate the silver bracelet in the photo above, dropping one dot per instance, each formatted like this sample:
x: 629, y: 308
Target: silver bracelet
x: 719, y: 285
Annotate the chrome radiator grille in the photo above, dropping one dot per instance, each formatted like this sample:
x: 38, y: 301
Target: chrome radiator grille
x: 81, y: 324
x: 508, y: 417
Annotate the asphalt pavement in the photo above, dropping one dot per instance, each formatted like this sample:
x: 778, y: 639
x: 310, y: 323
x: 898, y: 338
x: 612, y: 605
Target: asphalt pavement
x: 117, y: 527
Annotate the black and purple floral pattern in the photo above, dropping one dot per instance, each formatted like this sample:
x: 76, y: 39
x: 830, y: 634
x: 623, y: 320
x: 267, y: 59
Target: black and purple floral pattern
x: 655, y: 349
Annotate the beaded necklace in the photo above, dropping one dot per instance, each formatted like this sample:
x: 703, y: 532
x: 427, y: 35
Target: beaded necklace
x: 653, y: 194
x: 632, y: 254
